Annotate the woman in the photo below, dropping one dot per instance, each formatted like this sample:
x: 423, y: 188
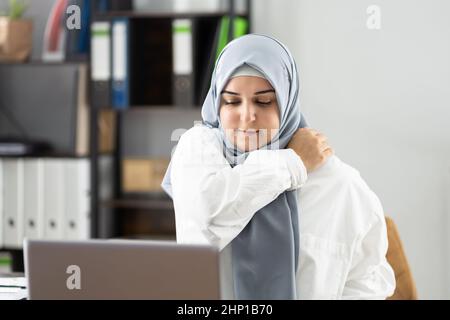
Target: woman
x: 292, y: 220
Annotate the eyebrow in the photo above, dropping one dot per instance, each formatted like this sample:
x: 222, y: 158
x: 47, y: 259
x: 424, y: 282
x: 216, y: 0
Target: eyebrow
x: 258, y: 92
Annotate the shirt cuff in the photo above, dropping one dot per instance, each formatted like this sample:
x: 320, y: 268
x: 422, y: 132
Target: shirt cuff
x: 296, y: 168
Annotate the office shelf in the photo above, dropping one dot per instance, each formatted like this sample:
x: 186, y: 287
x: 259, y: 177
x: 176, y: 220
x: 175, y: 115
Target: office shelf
x: 156, y: 108
x: 150, y: 204
x: 166, y: 15
x: 148, y: 216
x: 47, y: 63
x: 52, y: 155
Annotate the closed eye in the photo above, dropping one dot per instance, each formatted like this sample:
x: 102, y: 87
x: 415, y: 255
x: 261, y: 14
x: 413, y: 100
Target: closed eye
x: 258, y: 102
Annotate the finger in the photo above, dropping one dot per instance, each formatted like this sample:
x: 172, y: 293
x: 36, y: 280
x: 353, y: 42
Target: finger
x: 328, y: 152
x: 324, y: 146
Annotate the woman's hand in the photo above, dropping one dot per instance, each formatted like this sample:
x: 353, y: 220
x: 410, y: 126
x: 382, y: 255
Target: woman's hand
x: 311, y: 146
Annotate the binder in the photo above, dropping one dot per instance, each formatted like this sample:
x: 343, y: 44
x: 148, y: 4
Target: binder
x: 107, y: 225
x: 82, y: 114
x: 76, y: 195
x: 209, y: 47
x: 106, y: 120
x: 120, y: 69
x: 13, y: 203
x: 240, y: 28
x: 77, y: 41
x: 103, y: 6
x: 183, y: 86
x: 218, y: 42
x: 101, y: 63
x: 121, y: 5
x: 151, y: 62
x: 55, y: 33
x: 106, y: 183
x: 53, y: 198
x: 32, y: 198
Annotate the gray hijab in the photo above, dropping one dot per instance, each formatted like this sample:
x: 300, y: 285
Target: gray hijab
x: 265, y: 253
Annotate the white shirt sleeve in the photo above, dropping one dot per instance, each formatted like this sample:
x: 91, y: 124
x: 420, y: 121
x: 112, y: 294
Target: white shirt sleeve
x: 221, y: 200
x: 371, y: 276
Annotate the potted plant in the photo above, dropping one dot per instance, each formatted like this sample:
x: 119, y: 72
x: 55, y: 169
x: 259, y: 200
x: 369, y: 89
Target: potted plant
x: 15, y: 33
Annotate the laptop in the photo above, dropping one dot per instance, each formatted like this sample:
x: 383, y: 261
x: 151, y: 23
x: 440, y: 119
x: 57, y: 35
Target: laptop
x: 120, y: 269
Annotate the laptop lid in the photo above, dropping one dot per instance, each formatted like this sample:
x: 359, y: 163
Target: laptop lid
x: 124, y: 269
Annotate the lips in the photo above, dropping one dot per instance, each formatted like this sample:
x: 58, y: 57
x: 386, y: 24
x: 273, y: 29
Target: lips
x: 247, y: 132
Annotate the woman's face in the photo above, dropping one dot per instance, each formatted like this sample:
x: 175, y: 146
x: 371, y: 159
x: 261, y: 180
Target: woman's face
x: 249, y: 112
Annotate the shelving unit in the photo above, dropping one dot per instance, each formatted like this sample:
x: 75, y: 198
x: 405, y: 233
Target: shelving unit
x: 66, y: 141
x: 158, y: 207
x: 133, y: 216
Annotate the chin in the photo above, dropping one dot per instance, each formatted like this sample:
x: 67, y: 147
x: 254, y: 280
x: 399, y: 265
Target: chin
x: 246, y: 147
x: 246, y: 144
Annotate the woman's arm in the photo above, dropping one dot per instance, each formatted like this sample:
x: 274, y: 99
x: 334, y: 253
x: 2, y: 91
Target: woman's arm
x: 219, y: 199
x: 371, y: 276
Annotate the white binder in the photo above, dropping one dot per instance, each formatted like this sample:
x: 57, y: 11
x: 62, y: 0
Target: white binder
x: 120, y: 69
x: 183, y: 68
x: 53, y: 198
x: 12, y: 203
x: 33, y: 221
x: 101, y: 63
x: 76, y: 195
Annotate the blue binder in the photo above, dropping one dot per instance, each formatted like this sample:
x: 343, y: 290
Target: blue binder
x: 120, y: 63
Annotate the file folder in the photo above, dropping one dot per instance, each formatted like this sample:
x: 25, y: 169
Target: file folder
x: 13, y: 203
x: 101, y: 63
x: 240, y: 27
x: 77, y: 40
x: 76, y: 195
x: 207, y: 39
x: 121, y: 5
x: 103, y: 6
x: 183, y: 69
x: 55, y: 33
x: 213, y: 44
x: 32, y: 198
x: 120, y: 69
x: 53, y: 198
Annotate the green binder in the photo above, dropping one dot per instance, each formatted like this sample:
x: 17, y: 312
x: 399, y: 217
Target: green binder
x: 240, y: 28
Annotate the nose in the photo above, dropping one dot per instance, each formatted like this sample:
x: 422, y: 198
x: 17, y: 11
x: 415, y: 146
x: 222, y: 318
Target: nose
x: 248, y: 112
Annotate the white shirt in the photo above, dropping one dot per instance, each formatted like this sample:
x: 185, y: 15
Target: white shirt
x: 343, y: 238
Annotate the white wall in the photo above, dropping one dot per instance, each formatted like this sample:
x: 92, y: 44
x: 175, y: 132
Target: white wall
x: 383, y: 98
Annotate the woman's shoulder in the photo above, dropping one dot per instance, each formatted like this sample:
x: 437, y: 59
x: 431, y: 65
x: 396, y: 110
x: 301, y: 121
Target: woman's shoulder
x: 198, y: 144
x: 353, y: 179
x: 200, y: 134
x: 346, y: 183
x: 335, y: 171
